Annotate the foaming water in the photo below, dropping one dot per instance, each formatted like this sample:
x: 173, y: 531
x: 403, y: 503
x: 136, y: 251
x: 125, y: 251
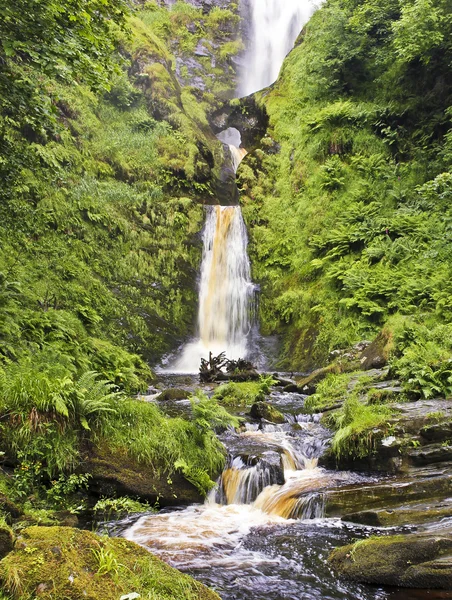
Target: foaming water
x: 262, y: 532
x: 274, y: 27
x: 225, y: 290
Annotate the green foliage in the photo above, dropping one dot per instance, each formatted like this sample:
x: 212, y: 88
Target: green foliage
x: 350, y: 220
x: 109, y: 507
x: 208, y: 414
x: 61, y: 490
x: 358, y: 427
x: 243, y: 394
x: 141, y: 431
x: 328, y: 392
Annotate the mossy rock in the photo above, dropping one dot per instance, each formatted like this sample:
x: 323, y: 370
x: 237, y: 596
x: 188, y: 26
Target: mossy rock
x: 8, y: 507
x: 377, y: 354
x: 117, y: 474
x: 263, y: 410
x: 418, y: 561
x: 173, y: 394
x: 62, y: 562
x: 407, y: 514
x: 308, y: 385
x: 6, y: 539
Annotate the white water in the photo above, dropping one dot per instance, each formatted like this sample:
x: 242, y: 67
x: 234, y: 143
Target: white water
x: 275, y: 25
x: 225, y: 288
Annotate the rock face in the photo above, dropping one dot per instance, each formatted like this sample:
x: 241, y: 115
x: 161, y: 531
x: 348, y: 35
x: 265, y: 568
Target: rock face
x: 6, y: 540
x: 418, y: 561
x: 119, y: 475
x: 61, y: 562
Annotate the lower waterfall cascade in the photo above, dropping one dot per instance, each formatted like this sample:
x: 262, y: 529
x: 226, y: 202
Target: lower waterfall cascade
x: 262, y: 528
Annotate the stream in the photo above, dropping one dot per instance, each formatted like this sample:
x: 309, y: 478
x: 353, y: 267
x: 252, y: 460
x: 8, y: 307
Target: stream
x: 261, y: 534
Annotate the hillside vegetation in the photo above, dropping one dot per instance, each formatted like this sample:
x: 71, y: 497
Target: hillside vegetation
x: 106, y: 158
x: 350, y: 208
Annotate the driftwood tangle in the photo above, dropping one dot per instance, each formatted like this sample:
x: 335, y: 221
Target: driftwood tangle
x: 220, y: 368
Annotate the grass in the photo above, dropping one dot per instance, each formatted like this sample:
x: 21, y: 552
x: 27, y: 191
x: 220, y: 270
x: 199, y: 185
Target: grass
x: 358, y: 427
x: 243, y: 394
x: 103, y: 568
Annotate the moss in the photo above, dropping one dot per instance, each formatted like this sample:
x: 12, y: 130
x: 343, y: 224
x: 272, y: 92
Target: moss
x: 308, y: 384
x: 240, y: 394
x: 6, y: 538
x: 118, y: 474
x: 396, y: 560
x: 174, y: 394
x: 264, y: 410
x: 61, y: 562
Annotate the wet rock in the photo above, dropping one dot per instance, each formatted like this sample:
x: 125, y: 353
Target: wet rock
x: 247, y: 116
x: 418, y: 561
x: 174, y: 394
x: 263, y: 410
x: 418, y: 485
x: 422, y: 415
x: 433, y: 453
x: 6, y: 540
x: 291, y: 388
x: 406, y: 514
x: 440, y: 432
x: 116, y: 474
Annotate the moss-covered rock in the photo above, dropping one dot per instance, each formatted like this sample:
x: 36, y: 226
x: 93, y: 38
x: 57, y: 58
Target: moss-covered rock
x: 308, y: 384
x: 406, y: 514
x: 264, y: 410
x: 6, y: 538
x: 9, y: 508
x: 120, y: 475
x: 419, y: 561
x: 61, y: 562
x: 174, y: 394
x: 377, y: 354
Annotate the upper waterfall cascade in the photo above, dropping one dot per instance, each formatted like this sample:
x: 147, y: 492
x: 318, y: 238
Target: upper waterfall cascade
x: 274, y: 27
x: 225, y: 288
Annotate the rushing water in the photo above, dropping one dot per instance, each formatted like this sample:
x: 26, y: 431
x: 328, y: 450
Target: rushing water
x: 274, y: 27
x: 225, y: 288
x: 261, y: 534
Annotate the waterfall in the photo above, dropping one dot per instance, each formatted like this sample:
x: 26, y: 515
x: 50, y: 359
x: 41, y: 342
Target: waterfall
x: 274, y: 27
x: 225, y: 288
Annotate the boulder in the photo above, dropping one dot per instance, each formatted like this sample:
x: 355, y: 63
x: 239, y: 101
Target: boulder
x: 116, y: 474
x: 308, y: 385
x: 62, y: 562
x: 376, y: 355
x: 264, y: 410
x: 417, y: 561
x: 174, y: 394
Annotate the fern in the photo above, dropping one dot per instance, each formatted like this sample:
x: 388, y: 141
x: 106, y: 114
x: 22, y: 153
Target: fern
x: 92, y: 399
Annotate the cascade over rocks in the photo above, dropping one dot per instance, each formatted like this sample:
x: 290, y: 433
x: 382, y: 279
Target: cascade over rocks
x: 245, y: 114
